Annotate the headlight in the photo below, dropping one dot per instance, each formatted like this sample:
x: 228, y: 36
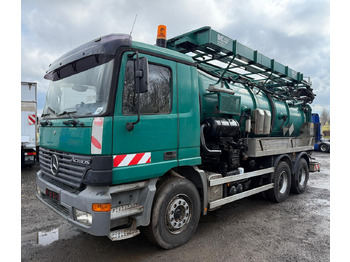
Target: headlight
x: 83, y: 217
x: 38, y: 190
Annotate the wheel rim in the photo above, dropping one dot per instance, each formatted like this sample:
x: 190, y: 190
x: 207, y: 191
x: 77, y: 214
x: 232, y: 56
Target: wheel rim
x: 283, y: 182
x: 302, y: 176
x: 323, y: 148
x: 178, y: 213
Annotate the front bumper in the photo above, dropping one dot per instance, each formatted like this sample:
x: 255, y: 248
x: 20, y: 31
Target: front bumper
x: 68, y: 201
x: 131, y: 205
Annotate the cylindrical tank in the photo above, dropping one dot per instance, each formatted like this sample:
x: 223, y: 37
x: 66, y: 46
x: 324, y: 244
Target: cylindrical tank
x: 222, y: 127
x: 276, y: 117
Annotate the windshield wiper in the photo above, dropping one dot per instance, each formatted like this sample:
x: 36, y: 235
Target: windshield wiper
x: 53, y: 111
x: 46, y: 122
x: 67, y: 113
x: 74, y: 121
x: 47, y: 114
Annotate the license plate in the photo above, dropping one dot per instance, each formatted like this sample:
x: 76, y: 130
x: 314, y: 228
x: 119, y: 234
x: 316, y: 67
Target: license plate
x: 29, y: 158
x: 52, y: 195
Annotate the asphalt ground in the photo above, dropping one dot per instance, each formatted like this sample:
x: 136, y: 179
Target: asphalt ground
x: 251, y: 229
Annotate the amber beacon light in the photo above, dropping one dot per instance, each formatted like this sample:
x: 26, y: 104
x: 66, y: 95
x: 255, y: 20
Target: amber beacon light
x: 161, y: 36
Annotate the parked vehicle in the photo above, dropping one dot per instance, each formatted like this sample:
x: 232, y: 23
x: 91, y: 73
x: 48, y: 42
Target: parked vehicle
x: 321, y: 144
x: 28, y: 123
x: 136, y: 136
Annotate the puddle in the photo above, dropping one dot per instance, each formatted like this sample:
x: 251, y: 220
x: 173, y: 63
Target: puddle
x: 46, y: 238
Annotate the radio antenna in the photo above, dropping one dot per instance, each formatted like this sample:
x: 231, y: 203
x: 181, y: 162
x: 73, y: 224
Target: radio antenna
x: 133, y: 25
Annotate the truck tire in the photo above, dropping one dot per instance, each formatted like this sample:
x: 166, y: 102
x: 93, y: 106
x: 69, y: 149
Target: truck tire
x: 175, y: 213
x: 301, y: 177
x: 282, y: 183
x: 324, y: 148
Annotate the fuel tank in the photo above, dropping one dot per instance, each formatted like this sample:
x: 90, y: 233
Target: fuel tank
x: 257, y: 112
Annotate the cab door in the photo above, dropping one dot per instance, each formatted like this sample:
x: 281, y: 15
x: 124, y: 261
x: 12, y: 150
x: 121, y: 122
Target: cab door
x: 151, y: 148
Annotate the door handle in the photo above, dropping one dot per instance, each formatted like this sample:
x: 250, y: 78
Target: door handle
x: 169, y: 155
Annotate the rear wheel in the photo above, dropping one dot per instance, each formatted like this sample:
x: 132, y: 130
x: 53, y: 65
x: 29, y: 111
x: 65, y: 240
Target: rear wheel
x: 175, y: 213
x: 282, y: 183
x: 300, y: 178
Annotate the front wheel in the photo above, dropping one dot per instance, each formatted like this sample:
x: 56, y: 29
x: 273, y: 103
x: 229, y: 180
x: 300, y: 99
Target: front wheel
x: 175, y: 213
x: 282, y: 183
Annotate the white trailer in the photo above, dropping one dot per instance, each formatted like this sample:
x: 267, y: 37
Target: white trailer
x: 28, y: 123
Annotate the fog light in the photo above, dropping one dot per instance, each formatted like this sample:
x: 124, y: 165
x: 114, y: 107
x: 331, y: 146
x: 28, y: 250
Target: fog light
x: 83, y: 217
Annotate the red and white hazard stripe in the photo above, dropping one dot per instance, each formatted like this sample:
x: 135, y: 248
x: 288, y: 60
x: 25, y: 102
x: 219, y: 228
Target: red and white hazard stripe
x: 31, y: 119
x: 97, y: 135
x: 318, y: 168
x: 131, y: 159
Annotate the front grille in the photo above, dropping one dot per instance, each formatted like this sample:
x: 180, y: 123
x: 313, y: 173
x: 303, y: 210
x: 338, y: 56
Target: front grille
x: 69, y: 173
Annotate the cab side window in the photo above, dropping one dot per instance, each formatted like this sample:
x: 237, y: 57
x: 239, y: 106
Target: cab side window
x: 158, y: 98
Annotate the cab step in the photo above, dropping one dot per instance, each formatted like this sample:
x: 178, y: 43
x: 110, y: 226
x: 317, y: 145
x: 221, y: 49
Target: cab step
x: 124, y: 233
x: 126, y: 211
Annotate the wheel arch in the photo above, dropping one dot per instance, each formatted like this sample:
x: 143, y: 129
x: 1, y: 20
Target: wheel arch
x: 197, y: 177
x: 283, y: 157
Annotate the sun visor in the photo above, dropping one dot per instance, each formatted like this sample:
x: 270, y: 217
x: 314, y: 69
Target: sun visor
x: 78, y: 66
x: 105, y: 46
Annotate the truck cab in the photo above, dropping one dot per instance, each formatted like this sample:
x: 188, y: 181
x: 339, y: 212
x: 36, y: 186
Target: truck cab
x: 85, y: 147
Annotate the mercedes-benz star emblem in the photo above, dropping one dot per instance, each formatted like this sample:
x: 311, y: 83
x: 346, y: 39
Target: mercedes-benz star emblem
x: 54, y: 165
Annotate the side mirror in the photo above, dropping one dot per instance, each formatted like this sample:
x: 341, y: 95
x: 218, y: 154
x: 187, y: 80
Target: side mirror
x: 141, y: 85
x: 141, y: 75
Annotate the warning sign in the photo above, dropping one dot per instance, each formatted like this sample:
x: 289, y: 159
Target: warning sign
x: 31, y: 119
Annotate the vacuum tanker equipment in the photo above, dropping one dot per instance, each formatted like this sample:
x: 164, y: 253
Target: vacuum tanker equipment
x: 139, y: 136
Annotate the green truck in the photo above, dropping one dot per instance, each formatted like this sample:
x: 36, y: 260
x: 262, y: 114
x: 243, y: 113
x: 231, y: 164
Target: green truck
x: 136, y: 137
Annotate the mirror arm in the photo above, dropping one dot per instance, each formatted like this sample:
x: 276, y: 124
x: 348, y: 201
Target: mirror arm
x: 130, y: 125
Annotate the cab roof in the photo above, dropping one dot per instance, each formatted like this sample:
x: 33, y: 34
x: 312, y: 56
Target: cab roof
x: 108, y: 45
x: 162, y: 51
x: 105, y: 45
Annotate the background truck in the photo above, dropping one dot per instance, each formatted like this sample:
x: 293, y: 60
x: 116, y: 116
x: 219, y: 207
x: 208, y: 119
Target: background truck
x: 28, y: 123
x: 320, y: 143
x: 141, y: 137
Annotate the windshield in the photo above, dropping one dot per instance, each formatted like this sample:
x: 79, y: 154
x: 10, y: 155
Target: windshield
x: 83, y: 93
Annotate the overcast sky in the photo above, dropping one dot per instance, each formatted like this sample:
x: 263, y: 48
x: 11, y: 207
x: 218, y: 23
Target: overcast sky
x: 293, y: 32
